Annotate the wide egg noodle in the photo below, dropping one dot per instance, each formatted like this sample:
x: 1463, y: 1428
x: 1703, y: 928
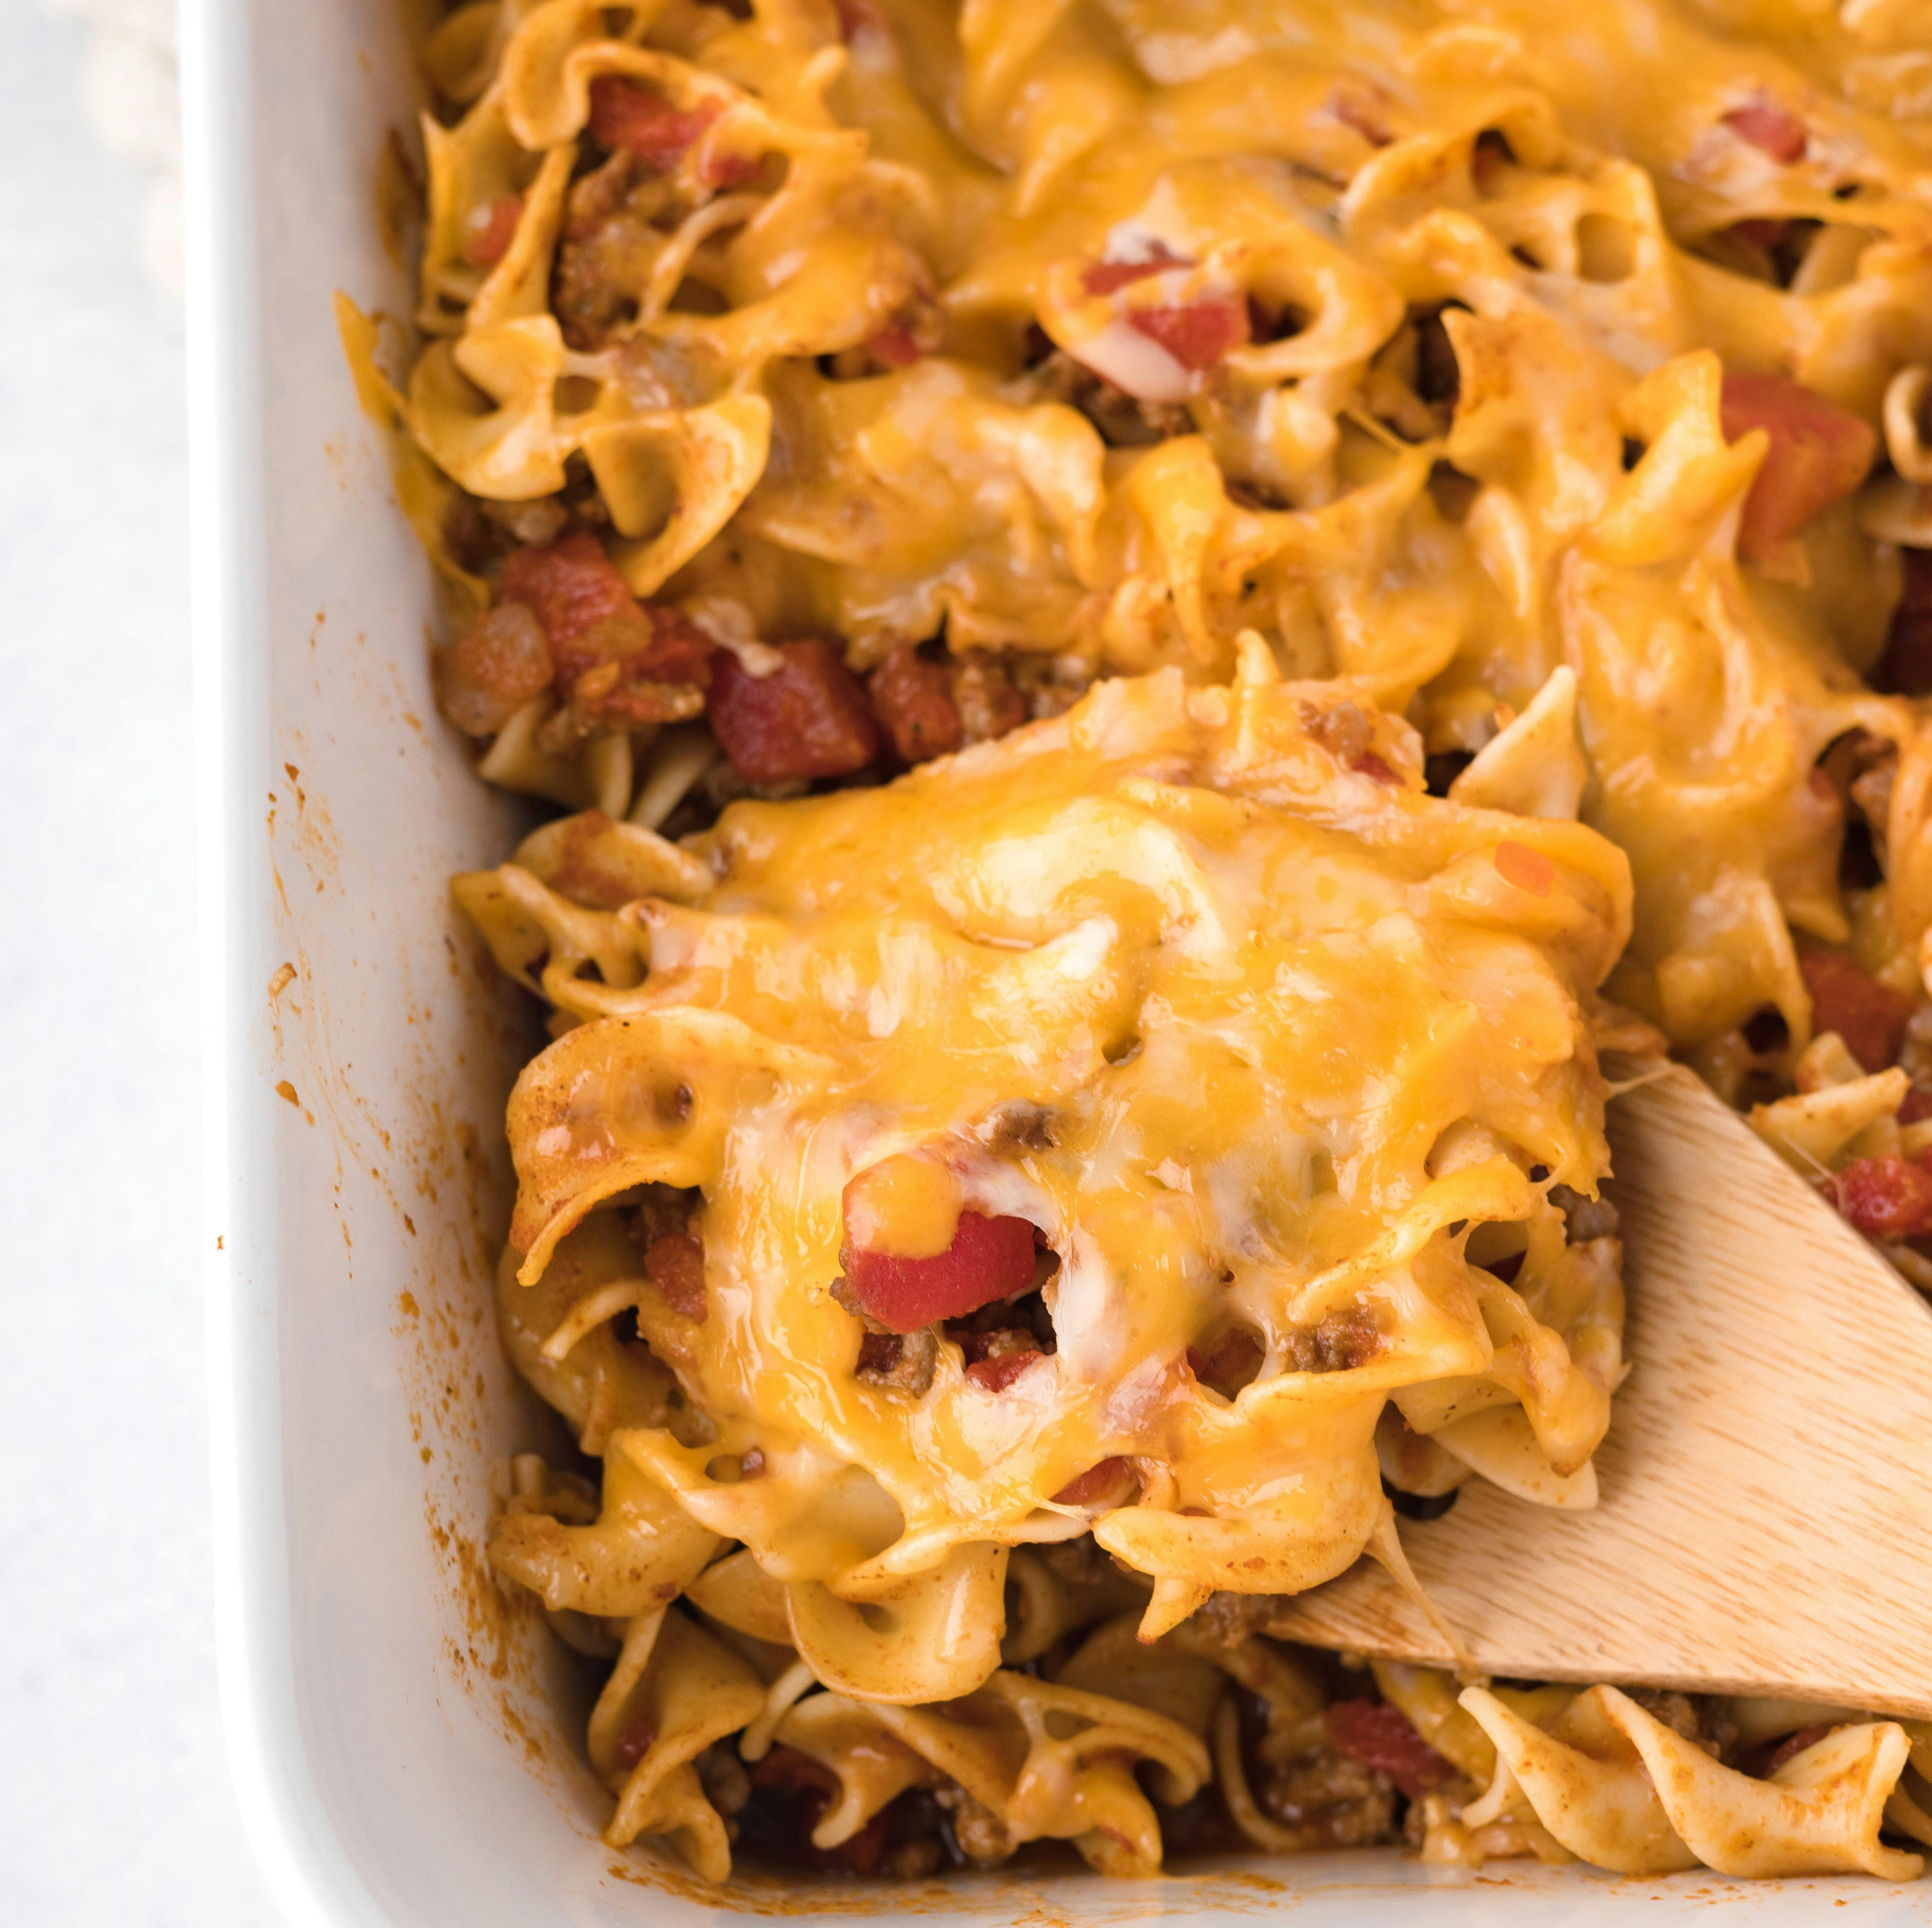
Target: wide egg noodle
x: 688, y: 1691
x: 599, y: 1383
x: 1624, y: 1792
x: 641, y: 1550
x: 1044, y: 1760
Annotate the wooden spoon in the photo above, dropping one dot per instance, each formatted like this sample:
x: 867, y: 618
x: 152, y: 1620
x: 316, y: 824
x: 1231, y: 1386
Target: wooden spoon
x: 1764, y: 1524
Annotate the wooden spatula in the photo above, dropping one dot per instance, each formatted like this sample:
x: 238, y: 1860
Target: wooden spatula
x: 1765, y: 1521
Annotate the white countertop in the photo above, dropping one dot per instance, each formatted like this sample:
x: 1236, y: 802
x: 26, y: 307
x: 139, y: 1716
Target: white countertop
x: 113, y: 1781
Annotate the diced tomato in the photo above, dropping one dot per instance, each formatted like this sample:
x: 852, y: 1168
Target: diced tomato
x: 1770, y: 129
x: 894, y: 346
x: 658, y: 678
x: 491, y: 241
x: 1870, y: 1017
x: 913, y: 699
x: 1915, y: 1106
x: 642, y: 122
x: 621, y: 665
x: 675, y: 1265
x: 807, y: 719
x: 1368, y: 764
x: 1383, y: 1738
x: 489, y: 673
x: 572, y: 587
x: 988, y: 1259
x: 1093, y: 1484
x: 678, y: 652
x: 997, y: 1374
x: 1884, y: 1197
x: 1818, y: 455
x: 1103, y: 277
x: 1906, y: 668
x: 1198, y: 334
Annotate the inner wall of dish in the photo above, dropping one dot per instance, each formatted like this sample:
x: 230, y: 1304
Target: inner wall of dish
x: 439, y: 1719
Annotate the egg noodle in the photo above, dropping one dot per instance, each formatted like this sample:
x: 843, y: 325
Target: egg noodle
x: 1153, y: 621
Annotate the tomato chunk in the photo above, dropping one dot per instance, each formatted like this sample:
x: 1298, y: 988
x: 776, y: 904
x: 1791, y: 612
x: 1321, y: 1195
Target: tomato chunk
x: 807, y: 719
x: 491, y: 241
x: 1198, y: 334
x: 621, y: 665
x: 487, y: 676
x: 1819, y: 454
x: 1869, y: 1016
x: 1102, y: 277
x: 571, y: 587
x: 1383, y: 1738
x: 679, y: 651
x: 1770, y: 129
x: 988, y: 1259
x: 913, y: 699
x: 675, y: 1265
x: 642, y: 122
x: 1884, y: 1197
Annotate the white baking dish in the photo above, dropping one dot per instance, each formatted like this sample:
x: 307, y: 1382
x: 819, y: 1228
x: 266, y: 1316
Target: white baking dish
x: 401, y: 1757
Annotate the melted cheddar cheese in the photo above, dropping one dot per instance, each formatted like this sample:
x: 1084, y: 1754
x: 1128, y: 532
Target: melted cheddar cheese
x: 1255, y: 1036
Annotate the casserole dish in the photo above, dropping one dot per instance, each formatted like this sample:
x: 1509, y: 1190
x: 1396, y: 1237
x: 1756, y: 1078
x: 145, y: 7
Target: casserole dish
x: 403, y: 1741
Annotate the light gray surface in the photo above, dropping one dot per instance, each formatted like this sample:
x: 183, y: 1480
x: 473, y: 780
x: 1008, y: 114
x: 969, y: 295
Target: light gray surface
x: 115, y: 1802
